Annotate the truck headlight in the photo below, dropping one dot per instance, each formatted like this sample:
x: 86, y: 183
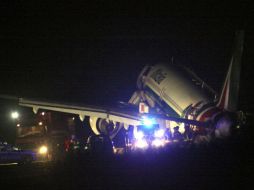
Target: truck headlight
x: 43, y: 150
x: 159, y: 133
x: 158, y: 143
x: 141, y: 143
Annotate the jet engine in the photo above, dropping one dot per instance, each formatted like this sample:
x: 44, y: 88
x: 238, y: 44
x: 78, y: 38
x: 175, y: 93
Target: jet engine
x: 104, y: 126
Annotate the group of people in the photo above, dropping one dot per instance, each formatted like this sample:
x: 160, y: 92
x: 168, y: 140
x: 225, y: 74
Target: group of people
x: 188, y: 134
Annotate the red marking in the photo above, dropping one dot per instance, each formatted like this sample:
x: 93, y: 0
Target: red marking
x: 143, y: 108
x: 209, y: 113
x: 223, y: 97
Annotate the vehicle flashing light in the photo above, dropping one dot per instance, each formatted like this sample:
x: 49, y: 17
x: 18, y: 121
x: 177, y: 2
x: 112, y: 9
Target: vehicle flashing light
x: 148, y: 122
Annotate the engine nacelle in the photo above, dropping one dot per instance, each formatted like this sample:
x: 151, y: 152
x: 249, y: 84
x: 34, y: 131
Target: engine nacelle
x: 103, y: 126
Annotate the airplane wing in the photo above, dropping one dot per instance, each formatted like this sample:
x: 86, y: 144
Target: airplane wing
x: 115, y: 115
x: 124, y: 116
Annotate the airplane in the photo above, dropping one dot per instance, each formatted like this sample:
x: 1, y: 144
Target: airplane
x: 171, y: 93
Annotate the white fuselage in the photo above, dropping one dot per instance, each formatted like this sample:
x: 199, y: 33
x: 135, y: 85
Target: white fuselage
x: 174, y: 86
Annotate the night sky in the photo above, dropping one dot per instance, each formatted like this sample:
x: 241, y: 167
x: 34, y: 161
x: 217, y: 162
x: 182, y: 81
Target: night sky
x: 93, y: 53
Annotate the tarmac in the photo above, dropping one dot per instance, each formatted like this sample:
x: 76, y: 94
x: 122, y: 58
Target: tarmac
x: 220, y: 165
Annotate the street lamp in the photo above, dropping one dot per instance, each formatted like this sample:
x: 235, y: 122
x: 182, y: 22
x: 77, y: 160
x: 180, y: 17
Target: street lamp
x: 15, y: 115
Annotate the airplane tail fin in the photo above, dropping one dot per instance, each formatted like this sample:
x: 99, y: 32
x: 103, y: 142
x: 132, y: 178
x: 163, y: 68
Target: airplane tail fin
x: 229, y: 95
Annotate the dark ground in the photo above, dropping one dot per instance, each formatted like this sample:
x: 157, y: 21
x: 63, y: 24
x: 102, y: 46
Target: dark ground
x: 227, y: 165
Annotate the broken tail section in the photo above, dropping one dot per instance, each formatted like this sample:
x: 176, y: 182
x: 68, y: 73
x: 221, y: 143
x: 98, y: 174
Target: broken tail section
x: 229, y: 96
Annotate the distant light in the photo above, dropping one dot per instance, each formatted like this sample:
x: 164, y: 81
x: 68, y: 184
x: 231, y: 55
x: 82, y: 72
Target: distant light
x: 40, y: 123
x: 159, y: 133
x: 14, y: 115
x: 73, y: 118
x: 42, y: 113
x: 18, y: 125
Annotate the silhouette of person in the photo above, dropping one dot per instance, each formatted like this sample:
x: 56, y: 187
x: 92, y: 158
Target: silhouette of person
x: 177, y: 135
